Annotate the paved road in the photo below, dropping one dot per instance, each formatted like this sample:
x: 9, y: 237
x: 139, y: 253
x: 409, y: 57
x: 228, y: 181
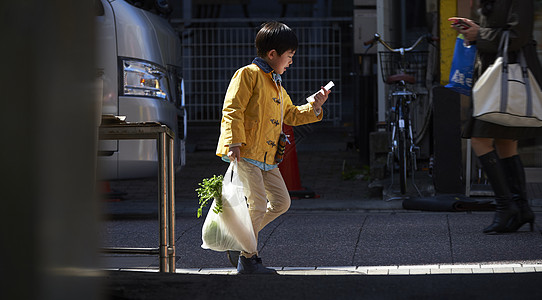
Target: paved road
x: 369, y: 255
x: 346, y: 231
x: 359, y: 239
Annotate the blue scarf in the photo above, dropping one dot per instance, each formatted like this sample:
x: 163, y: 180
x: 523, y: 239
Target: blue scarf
x: 260, y: 62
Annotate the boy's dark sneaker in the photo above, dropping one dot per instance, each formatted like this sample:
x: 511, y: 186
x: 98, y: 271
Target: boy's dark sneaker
x: 253, y: 265
x: 233, y: 257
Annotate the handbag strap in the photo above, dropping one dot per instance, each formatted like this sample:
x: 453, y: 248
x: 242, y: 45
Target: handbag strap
x: 526, y: 79
x: 503, y: 46
x: 503, y: 50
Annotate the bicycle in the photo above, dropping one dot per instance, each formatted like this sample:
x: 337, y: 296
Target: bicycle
x: 400, y: 69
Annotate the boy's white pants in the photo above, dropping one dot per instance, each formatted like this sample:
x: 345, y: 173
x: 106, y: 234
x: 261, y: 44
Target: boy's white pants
x: 261, y: 186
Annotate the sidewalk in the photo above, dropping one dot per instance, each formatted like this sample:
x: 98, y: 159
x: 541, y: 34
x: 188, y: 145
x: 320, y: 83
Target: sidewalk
x: 356, y: 242
x: 346, y: 231
x: 392, y: 254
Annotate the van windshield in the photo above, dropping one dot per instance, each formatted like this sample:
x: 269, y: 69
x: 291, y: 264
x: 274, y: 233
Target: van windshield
x: 159, y: 7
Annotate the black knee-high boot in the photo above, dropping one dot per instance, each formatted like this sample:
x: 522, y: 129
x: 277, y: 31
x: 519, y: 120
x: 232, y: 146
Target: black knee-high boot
x: 515, y: 175
x: 506, y: 210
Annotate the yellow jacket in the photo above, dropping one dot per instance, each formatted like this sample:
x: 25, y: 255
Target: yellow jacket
x: 252, y: 112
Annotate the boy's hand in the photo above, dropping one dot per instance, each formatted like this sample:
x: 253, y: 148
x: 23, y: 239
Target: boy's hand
x: 234, y: 153
x: 320, y: 99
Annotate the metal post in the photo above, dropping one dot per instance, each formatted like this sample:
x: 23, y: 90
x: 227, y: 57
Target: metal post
x: 468, y: 169
x: 162, y: 211
x: 171, y: 205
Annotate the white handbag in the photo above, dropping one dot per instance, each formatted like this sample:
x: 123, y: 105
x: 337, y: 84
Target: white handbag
x: 508, y: 94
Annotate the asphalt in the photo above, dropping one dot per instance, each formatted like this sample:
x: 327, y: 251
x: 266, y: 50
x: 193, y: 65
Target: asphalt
x: 353, y: 240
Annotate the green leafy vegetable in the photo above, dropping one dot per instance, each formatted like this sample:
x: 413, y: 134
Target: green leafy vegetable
x: 210, y: 188
x: 211, y: 233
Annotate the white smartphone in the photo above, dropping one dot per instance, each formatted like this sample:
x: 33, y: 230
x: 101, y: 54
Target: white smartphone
x: 328, y: 86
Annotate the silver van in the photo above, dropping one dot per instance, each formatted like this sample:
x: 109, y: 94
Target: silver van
x: 139, y: 65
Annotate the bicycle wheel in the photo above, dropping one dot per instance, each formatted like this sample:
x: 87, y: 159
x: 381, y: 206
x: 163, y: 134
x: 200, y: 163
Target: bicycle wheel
x: 402, y: 147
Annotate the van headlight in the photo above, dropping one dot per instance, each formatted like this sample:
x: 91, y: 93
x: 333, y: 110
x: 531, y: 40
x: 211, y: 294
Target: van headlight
x: 144, y: 79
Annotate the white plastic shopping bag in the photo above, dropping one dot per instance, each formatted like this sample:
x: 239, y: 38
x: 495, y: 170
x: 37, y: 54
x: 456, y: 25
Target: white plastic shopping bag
x: 230, y: 229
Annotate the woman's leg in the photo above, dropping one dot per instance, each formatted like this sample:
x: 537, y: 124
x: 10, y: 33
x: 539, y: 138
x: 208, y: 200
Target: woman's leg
x: 481, y: 146
x: 506, y: 148
x: 506, y: 212
x: 515, y: 176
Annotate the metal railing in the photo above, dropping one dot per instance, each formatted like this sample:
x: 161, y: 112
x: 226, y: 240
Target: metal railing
x: 213, y: 49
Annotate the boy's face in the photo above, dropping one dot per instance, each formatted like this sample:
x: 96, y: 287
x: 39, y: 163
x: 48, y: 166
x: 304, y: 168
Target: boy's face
x: 279, y: 63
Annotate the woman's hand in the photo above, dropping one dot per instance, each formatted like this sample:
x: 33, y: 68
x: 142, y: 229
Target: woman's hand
x: 470, y: 33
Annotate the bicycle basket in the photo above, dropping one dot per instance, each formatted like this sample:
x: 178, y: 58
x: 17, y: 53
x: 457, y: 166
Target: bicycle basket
x: 412, y: 63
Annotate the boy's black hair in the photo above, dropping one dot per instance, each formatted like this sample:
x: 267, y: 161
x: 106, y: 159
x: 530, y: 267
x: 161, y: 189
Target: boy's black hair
x: 275, y: 35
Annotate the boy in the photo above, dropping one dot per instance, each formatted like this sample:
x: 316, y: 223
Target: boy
x: 254, y: 109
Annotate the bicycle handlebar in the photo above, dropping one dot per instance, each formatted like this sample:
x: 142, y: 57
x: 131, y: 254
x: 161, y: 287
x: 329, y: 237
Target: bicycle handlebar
x: 377, y: 39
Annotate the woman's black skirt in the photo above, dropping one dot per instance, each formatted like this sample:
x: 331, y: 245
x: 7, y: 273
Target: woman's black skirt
x: 483, y: 129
